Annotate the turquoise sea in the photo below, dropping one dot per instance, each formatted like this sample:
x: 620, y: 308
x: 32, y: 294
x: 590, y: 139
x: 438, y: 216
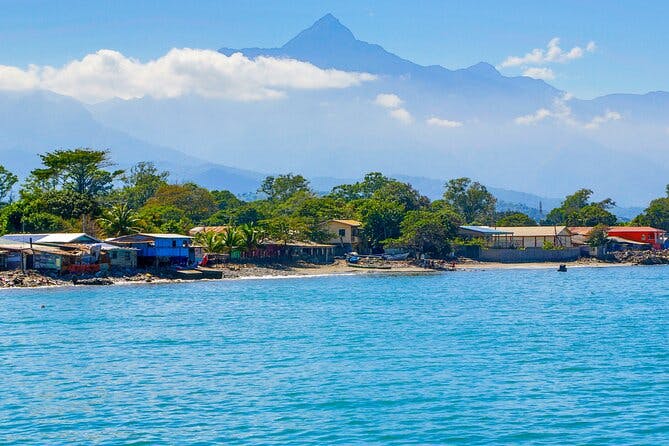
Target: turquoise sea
x: 472, y: 357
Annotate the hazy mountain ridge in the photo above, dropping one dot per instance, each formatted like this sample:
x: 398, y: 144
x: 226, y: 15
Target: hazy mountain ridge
x: 344, y: 133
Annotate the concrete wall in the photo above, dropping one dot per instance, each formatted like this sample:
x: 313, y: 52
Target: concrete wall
x: 529, y: 255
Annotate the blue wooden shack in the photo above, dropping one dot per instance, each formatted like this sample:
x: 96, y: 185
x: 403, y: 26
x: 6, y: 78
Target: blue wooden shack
x: 159, y: 249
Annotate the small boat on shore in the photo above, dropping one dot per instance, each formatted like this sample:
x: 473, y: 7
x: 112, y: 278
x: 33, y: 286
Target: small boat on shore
x: 402, y: 256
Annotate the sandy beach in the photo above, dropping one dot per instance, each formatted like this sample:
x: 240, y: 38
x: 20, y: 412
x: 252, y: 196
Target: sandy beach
x: 33, y: 279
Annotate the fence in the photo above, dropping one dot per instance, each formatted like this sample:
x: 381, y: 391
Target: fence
x: 530, y: 255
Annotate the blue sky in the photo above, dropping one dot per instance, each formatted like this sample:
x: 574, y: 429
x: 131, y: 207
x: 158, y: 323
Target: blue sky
x: 631, y: 40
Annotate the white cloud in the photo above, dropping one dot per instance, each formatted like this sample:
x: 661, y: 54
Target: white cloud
x: 561, y: 112
x: 443, y: 123
x: 539, y: 73
x: 606, y: 117
x: 393, y: 103
x: 537, y: 116
x: 551, y: 54
x: 401, y: 115
x: 388, y: 100
x: 109, y: 74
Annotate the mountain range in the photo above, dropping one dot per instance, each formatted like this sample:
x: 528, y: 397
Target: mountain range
x: 463, y: 122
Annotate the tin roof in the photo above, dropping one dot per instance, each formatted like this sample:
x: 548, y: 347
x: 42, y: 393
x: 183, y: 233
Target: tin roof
x: 634, y: 229
x: 486, y: 230
x: 535, y: 231
x: 56, y: 237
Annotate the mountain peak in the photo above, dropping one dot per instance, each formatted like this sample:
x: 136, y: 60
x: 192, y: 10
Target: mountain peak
x: 483, y: 68
x: 326, y: 29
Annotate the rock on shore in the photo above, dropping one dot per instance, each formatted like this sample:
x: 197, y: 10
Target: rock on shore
x: 643, y: 257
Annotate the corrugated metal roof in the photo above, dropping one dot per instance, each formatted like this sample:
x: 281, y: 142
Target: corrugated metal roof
x: 634, y: 229
x: 145, y: 238
x: 11, y: 245
x: 535, y: 231
x: 55, y: 237
x: 74, y: 237
x: 487, y: 230
x: 167, y: 235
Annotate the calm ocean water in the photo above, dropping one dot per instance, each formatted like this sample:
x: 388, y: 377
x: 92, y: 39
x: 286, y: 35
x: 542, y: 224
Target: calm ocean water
x: 494, y: 357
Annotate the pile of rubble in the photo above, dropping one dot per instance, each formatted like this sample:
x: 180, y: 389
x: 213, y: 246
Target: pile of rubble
x: 19, y: 279
x: 642, y: 257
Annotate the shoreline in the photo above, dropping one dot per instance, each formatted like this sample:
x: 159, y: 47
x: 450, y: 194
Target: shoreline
x: 255, y: 272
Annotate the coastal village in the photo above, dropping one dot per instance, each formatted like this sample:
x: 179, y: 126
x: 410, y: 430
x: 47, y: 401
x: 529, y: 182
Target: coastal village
x: 85, y: 259
x: 74, y: 220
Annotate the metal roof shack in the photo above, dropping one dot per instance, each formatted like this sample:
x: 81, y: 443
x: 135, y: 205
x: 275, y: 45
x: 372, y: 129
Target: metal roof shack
x: 533, y: 236
x: 159, y: 249
x: 481, y: 231
x: 643, y: 234
x: 56, y: 237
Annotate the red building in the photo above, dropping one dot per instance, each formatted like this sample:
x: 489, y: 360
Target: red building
x: 643, y: 234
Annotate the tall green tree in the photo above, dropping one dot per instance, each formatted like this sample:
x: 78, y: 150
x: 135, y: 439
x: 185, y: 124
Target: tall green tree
x: 656, y: 214
x: 196, y: 202
x: 282, y: 187
x: 80, y: 170
x: 428, y: 231
x: 140, y: 183
x: 7, y: 182
x: 515, y: 219
x: 578, y: 210
x: 471, y: 200
x: 371, y: 183
x: 381, y: 220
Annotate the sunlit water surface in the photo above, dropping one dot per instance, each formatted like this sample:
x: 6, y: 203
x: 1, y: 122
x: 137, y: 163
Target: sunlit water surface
x: 486, y: 357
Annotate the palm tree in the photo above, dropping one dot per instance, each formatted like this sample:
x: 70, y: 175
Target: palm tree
x: 119, y: 220
x: 251, y: 236
x: 231, y: 239
x: 211, y: 241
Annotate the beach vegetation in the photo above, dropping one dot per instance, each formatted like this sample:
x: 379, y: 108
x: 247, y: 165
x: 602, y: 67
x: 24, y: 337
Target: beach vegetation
x: 119, y: 219
x: 471, y: 200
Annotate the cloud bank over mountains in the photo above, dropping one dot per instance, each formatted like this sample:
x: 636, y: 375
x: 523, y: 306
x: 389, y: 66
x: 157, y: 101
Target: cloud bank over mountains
x: 326, y: 104
x: 108, y: 74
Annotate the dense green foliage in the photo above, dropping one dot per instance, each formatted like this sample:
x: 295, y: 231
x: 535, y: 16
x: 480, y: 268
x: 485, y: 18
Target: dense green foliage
x: 577, y: 210
x: 471, y: 200
x: 597, y: 236
x: 656, y: 214
x: 75, y: 190
x: 514, y: 219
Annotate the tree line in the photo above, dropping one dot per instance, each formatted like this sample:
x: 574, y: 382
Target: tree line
x: 79, y: 190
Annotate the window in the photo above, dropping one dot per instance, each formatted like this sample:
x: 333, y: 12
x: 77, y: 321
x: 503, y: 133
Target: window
x: 342, y: 233
x: 114, y: 255
x: 174, y: 243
